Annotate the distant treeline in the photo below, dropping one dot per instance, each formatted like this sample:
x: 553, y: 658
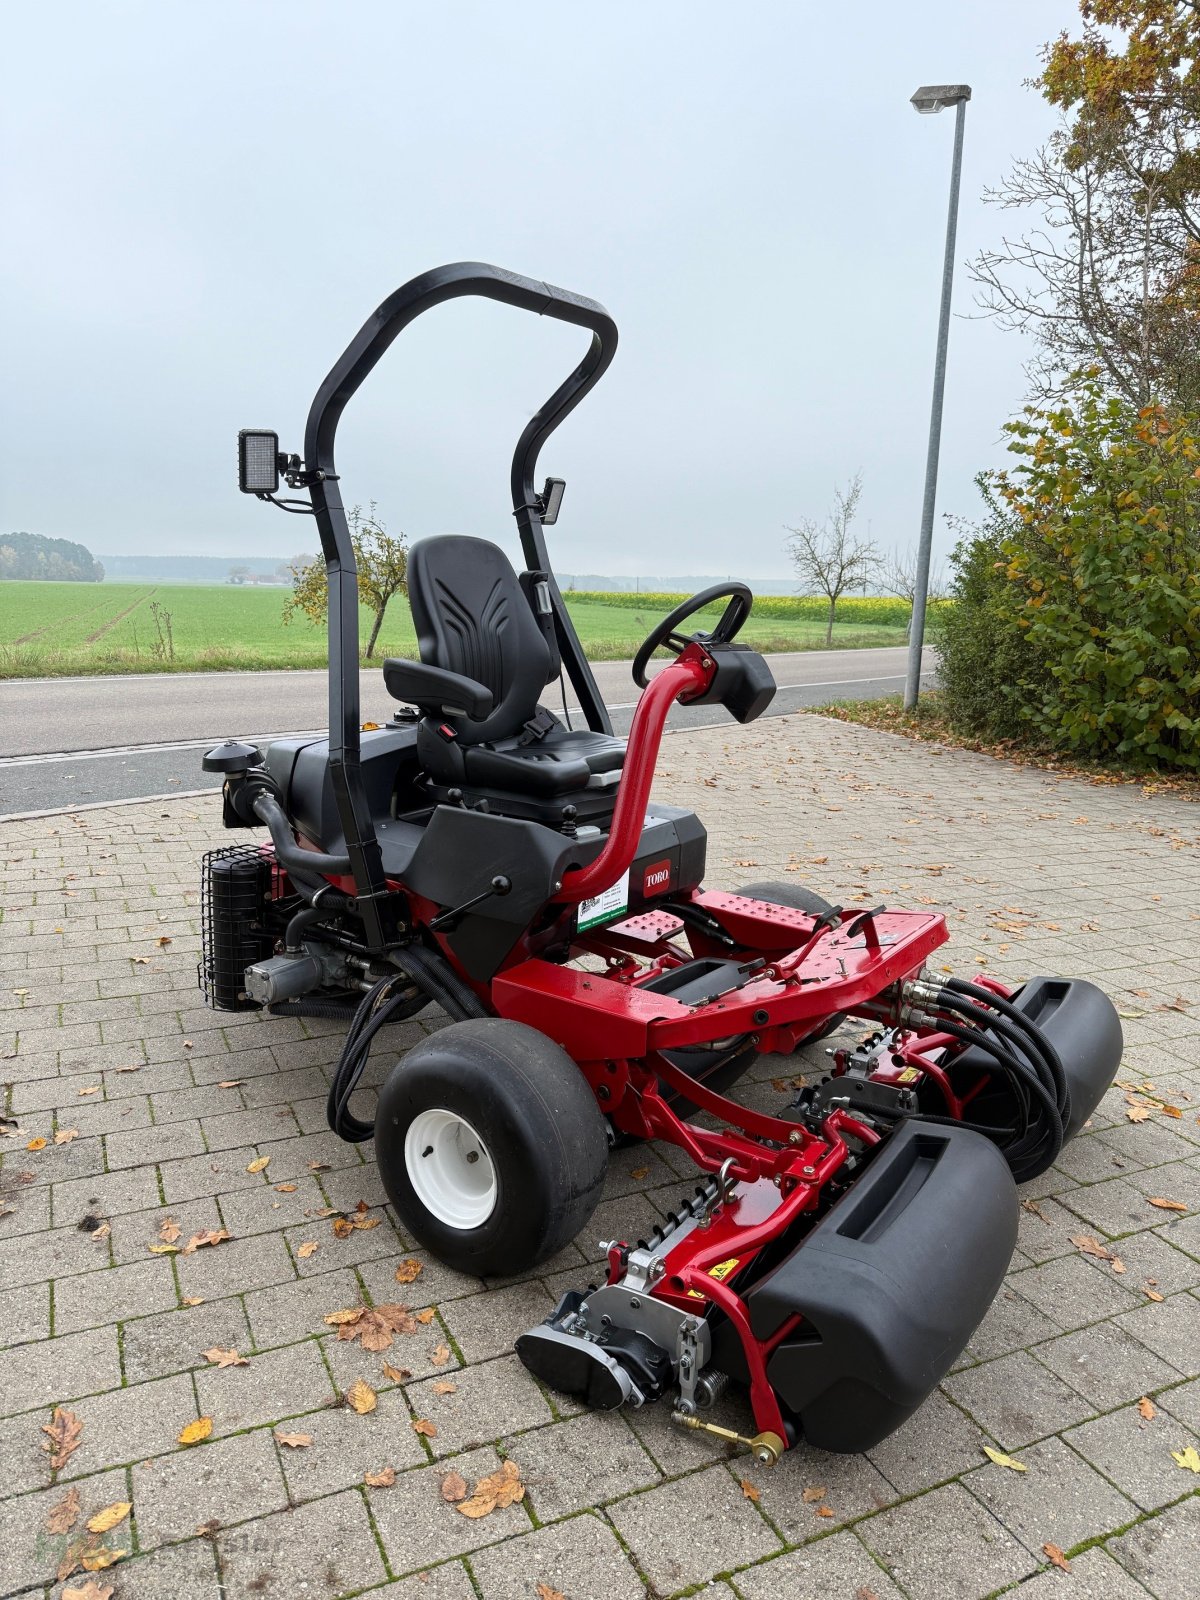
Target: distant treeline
x: 867, y: 610
x: 33, y: 555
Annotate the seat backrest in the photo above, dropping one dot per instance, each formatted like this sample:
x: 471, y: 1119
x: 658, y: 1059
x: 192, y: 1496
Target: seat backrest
x: 472, y: 617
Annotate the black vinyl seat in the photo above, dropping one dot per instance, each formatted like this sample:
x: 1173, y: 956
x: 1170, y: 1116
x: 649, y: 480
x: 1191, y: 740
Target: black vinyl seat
x: 484, y: 663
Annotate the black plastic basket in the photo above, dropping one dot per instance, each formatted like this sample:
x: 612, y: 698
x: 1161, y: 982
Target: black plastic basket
x: 235, y: 892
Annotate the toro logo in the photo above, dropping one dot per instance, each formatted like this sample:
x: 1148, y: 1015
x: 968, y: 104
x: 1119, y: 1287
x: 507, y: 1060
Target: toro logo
x: 656, y: 879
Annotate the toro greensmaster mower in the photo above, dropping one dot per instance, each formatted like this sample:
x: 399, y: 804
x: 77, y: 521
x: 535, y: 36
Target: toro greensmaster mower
x: 481, y: 854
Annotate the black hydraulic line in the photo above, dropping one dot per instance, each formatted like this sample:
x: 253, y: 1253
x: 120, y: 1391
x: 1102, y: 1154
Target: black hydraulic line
x: 434, y: 974
x: 1006, y: 1008
x: 330, y: 1010
x: 1053, y: 1129
x: 1016, y: 1038
x: 287, y: 851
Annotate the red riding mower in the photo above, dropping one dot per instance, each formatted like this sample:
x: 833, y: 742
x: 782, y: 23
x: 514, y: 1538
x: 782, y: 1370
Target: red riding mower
x: 480, y: 854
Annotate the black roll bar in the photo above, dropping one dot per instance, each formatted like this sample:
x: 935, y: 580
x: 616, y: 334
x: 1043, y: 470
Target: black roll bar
x: 348, y: 372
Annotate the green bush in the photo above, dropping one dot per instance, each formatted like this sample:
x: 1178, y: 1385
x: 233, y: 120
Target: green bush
x: 1097, y: 567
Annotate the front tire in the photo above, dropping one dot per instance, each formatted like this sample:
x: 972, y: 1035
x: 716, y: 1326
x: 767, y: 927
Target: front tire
x: 491, y: 1146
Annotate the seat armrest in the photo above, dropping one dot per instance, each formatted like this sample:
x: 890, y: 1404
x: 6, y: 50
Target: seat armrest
x: 435, y: 691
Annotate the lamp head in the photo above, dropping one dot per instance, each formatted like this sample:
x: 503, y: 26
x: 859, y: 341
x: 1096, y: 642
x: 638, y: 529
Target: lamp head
x: 934, y: 97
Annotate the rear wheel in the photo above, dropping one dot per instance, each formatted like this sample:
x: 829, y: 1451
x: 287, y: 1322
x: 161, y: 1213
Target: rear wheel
x: 491, y: 1146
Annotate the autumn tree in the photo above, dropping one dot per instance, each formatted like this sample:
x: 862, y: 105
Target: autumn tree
x: 827, y: 556
x: 898, y: 575
x: 1108, y: 269
x: 382, y: 562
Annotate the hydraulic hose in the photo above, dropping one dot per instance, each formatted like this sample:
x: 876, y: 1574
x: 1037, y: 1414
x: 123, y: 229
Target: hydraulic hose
x: 1016, y: 1038
x: 307, y: 862
x: 1022, y: 1157
x: 1015, y: 1015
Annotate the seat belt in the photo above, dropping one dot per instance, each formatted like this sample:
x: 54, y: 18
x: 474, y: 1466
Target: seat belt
x: 538, y: 726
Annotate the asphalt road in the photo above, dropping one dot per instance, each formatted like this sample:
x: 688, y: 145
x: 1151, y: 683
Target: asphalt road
x: 87, y: 741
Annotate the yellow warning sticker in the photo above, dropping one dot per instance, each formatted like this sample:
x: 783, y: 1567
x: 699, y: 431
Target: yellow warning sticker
x: 721, y: 1271
x: 909, y: 1075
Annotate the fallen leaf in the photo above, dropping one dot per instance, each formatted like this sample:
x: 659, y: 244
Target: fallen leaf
x: 441, y: 1355
x: 865, y: 1594
x: 191, y: 1299
x: 1153, y: 1294
x: 445, y: 1387
x: 64, y: 1515
x: 169, y: 1230
x: 749, y: 1490
x: 1090, y: 1246
x: 422, y: 1425
x: 341, y: 1228
x: 308, y: 1248
x: 318, y: 1166
x: 1146, y: 1408
x: 260, y: 1164
x: 1188, y: 1458
x: 1138, y: 1111
x: 107, y: 1519
x: 408, y: 1269
x: 639, y: 1173
x: 426, y: 1316
x: 824, y: 1511
x: 213, y: 1236
x: 1056, y: 1558
x: 231, y: 1083
x: 294, y: 1441
x: 374, y: 1326
x: 93, y: 1088
x: 97, y: 1560
x: 1002, y: 1460
x: 454, y: 1488
x: 163, y: 1249
x: 811, y: 1496
x: 365, y: 1224
x: 360, y: 1397
x: 383, y: 1479
x: 100, y: 1231
x: 188, y: 1045
x: 224, y: 1358
x: 1166, y: 1205
x: 196, y: 1431
x: 37, y: 1144
x: 128, y: 1069
x: 89, y: 1589
x: 544, y: 1591
x: 65, y: 1135
x: 340, y: 1319
x: 498, y: 1489
x: 1033, y: 1207
x: 65, y: 1433
x: 396, y: 1374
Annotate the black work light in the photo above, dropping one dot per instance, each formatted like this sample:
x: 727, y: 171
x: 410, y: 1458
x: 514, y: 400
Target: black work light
x: 551, y: 498
x: 258, y: 461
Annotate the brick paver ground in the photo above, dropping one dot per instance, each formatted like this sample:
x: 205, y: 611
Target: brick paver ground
x: 162, y: 1108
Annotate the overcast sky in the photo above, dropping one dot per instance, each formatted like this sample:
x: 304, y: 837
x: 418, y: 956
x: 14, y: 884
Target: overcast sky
x: 203, y: 203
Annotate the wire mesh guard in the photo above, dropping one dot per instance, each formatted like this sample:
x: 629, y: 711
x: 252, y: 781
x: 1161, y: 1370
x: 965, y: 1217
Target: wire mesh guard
x: 235, y: 887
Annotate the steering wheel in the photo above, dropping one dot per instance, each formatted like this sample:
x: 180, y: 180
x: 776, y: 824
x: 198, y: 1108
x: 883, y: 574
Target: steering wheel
x: 727, y: 629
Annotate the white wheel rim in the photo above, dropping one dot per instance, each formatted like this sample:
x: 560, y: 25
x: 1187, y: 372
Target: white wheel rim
x: 450, y: 1169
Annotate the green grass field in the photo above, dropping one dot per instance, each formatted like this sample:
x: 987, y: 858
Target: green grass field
x: 56, y: 629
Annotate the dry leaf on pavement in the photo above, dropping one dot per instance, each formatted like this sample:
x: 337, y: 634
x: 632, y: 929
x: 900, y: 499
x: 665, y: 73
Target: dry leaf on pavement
x: 1056, y: 1558
x: 811, y: 1496
x: 441, y: 1355
x: 192, y: 1299
x: 427, y: 1315
x: 497, y: 1490
x: 445, y: 1388
x: 36, y: 1144
x: 104, y: 1520
x: 65, y: 1135
x: 1164, y: 1204
x: 196, y: 1431
x: 544, y: 1591
x: 231, y: 1083
x: 89, y: 1589
x: 381, y: 1480
x: 211, y: 1237
x: 64, y: 1432
x: 824, y: 1511
x: 260, y: 1164
x: 1146, y: 1408
x: 865, y: 1594
x: 1090, y: 1246
x: 64, y: 1515
x: 360, y: 1397
x: 408, y: 1269
x: 639, y: 1173
x: 285, y: 1188
x: 92, y: 1088
x: 1188, y: 1458
x: 429, y: 1429
x: 97, y: 1560
x: 373, y: 1326
x: 341, y: 1228
x: 308, y: 1248
x: 169, y: 1230
x: 224, y: 1358
x: 294, y: 1441
x: 396, y: 1374
x: 749, y: 1490
x: 1002, y: 1460
x: 454, y: 1488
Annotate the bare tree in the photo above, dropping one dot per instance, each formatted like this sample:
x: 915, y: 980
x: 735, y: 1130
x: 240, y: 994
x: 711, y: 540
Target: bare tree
x: 897, y: 575
x: 826, y: 555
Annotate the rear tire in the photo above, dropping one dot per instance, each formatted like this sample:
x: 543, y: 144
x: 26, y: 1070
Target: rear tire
x: 491, y: 1146
x: 797, y: 898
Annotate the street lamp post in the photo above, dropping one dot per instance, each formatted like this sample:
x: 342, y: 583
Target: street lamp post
x: 927, y: 100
